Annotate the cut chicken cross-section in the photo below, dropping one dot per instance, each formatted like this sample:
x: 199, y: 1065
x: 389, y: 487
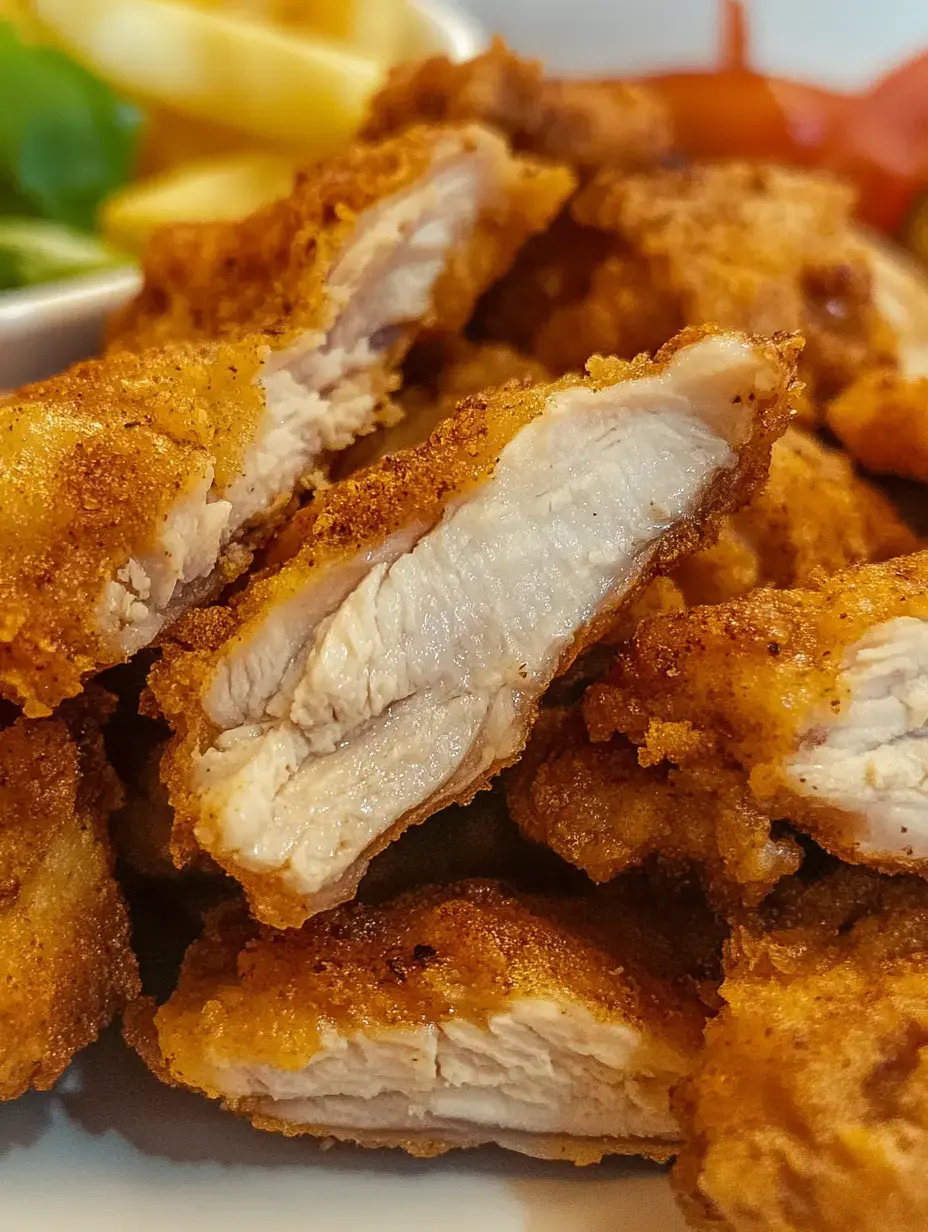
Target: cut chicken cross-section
x: 140, y: 482
x: 452, y: 1017
x: 819, y: 697
x: 397, y: 661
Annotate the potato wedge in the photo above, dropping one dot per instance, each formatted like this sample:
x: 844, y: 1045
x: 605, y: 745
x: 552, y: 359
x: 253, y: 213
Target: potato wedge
x: 374, y: 27
x: 203, y: 191
x: 260, y: 79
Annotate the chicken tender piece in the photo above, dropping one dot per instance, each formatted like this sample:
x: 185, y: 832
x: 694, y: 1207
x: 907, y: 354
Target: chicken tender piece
x: 814, y: 514
x: 748, y: 246
x: 882, y: 421
x: 818, y: 696
x: 396, y: 663
x: 141, y: 483
x: 449, y: 1018
x: 602, y: 812
x: 809, y: 1109
x: 901, y: 291
x: 65, y: 963
x: 581, y: 123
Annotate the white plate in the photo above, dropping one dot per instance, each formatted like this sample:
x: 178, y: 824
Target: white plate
x: 111, y: 1150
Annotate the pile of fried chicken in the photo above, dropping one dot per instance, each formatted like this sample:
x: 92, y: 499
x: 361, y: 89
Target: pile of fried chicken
x: 510, y: 459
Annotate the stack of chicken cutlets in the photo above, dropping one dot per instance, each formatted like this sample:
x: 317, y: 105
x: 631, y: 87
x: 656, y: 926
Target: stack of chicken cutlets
x: 447, y: 559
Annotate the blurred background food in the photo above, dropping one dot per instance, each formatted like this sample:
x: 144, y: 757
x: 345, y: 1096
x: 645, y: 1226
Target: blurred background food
x: 117, y: 116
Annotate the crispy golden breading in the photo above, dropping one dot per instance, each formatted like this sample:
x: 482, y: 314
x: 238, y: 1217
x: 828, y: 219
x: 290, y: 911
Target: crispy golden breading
x: 65, y: 963
x: 439, y: 965
x: 600, y: 810
x: 745, y: 245
x: 809, y: 1110
x: 813, y: 514
x: 816, y: 695
x: 882, y: 421
x: 125, y: 467
x: 267, y: 273
x: 352, y: 521
x: 582, y: 123
x: 454, y: 370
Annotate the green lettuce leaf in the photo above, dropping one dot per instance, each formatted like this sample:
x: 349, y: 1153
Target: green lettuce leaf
x: 66, y: 140
x: 34, y: 250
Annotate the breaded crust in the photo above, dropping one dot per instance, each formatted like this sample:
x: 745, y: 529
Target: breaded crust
x: 65, y: 963
x: 882, y: 421
x: 809, y: 1109
x: 600, y: 810
x: 736, y: 682
x: 460, y: 953
x: 409, y: 489
x: 267, y: 273
x: 581, y: 123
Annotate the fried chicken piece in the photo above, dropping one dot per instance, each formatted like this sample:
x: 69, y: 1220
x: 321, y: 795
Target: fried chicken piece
x: 814, y: 514
x: 818, y: 696
x: 582, y: 123
x: 461, y: 369
x: 140, y: 483
x: 601, y: 811
x: 809, y: 1109
x: 397, y: 661
x: 882, y: 421
x: 748, y: 246
x: 450, y: 1018
x: 901, y: 292
x: 65, y: 963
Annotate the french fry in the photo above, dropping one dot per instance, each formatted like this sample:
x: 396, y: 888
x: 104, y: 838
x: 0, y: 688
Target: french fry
x: 195, y: 192
x: 272, y: 83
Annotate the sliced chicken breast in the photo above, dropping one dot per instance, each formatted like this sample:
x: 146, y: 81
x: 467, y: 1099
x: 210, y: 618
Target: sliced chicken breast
x: 819, y: 696
x: 452, y: 1017
x: 65, y: 963
x: 396, y: 663
x: 139, y: 483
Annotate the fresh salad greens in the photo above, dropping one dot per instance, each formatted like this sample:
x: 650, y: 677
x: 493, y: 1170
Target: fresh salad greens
x: 66, y: 141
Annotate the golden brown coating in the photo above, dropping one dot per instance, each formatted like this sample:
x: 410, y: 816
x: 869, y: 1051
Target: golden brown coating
x: 448, y: 371
x: 267, y: 273
x: 357, y: 516
x: 582, y: 123
x: 882, y: 421
x: 602, y: 812
x: 814, y: 514
x: 809, y: 1111
x: 99, y: 458
x: 753, y: 682
x: 747, y: 246
x: 251, y: 997
x: 65, y: 963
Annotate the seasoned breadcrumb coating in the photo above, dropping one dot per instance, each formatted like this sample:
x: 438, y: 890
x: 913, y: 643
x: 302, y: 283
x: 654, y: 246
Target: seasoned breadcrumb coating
x: 65, y: 963
x: 452, y: 1017
x: 818, y: 696
x: 582, y: 123
x: 602, y: 812
x: 747, y: 246
x: 813, y: 515
x: 144, y: 481
x: 809, y: 1109
x: 882, y: 421
x: 249, y: 694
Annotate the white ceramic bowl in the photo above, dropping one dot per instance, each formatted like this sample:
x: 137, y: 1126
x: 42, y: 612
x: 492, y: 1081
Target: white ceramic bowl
x: 46, y: 328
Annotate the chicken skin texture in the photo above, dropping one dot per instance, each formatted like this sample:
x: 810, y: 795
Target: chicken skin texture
x: 144, y: 481
x: 818, y: 697
x: 395, y: 663
x: 451, y: 1017
x: 65, y: 963
x: 809, y: 1108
